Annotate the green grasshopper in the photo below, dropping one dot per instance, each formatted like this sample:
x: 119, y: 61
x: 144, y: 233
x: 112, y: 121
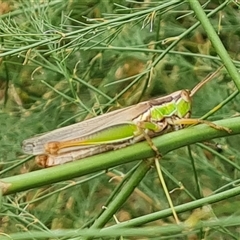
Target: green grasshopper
x: 116, y: 129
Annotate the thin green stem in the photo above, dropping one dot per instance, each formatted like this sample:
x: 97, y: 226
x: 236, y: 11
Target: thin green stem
x: 215, y: 40
x: 126, y: 191
x: 220, y: 105
x: 179, y: 209
x: 59, y: 36
x: 162, y: 181
x: 198, y: 186
x: 164, y: 143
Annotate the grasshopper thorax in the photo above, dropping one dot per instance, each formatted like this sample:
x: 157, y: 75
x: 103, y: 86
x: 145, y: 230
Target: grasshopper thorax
x: 177, y: 104
x: 184, y: 104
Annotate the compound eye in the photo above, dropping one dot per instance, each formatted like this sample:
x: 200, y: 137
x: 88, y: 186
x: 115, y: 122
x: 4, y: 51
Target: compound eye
x: 185, y: 95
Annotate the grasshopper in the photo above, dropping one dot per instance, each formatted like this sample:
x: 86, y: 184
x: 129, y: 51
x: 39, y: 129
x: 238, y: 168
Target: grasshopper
x: 116, y: 129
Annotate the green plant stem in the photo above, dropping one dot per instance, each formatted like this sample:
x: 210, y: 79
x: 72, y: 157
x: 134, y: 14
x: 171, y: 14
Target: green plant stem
x: 119, y: 187
x: 220, y: 105
x: 126, y: 191
x: 152, y: 231
x: 167, y: 50
x: 165, y: 144
x: 220, y: 156
x: 197, y: 182
x: 58, y: 36
x: 179, y: 209
x: 216, y: 42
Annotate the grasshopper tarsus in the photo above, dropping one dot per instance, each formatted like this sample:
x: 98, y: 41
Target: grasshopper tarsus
x: 215, y: 126
x: 228, y: 130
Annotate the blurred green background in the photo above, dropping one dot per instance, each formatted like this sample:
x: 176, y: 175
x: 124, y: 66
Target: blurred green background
x: 65, y: 61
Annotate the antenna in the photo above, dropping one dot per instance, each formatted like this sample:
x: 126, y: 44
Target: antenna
x: 208, y: 78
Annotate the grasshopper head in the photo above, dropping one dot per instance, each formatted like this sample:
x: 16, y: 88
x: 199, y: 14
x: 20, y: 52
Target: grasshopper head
x: 184, y: 104
x: 185, y: 95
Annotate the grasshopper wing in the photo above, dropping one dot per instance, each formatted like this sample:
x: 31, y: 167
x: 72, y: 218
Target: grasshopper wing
x: 36, y: 145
